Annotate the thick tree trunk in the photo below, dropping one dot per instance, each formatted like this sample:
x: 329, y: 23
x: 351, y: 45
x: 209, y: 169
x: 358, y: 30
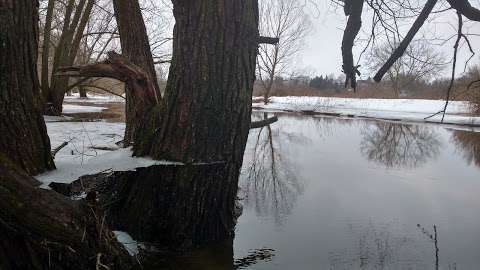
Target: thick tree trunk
x: 136, y: 48
x: 23, y: 132
x: 41, y: 229
x: 206, y: 119
x: 203, y: 122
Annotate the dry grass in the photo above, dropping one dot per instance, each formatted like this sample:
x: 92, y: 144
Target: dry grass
x: 370, y: 90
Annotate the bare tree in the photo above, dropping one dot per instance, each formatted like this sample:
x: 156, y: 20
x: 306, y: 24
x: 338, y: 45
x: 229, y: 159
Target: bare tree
x: 388, y: 16
x: 420, y: 62
x: 286, y: 20
x: 399, y: 145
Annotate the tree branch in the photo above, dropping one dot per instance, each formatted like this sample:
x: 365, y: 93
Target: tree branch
x: 427, y: 9
x: 262, y: 123
x: 465, y: 8
x: 268, y: 40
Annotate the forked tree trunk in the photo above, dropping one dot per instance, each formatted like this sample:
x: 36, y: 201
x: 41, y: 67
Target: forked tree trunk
x: 75, y: 22
x: 136, y: 48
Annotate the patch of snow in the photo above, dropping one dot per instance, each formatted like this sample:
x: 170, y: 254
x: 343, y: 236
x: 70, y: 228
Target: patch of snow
x: 80, y: 157
x: 394, y: 109
x: 81, y: 196
x: 93, y: 98
x: 63, y: 118
x: 69, y: 108
x: 128, y: 242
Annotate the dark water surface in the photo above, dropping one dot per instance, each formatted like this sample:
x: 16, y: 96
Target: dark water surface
x: 330, y: 193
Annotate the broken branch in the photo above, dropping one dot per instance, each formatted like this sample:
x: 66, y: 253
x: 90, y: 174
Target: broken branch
x: 262, y: 123
x: 268, y: 40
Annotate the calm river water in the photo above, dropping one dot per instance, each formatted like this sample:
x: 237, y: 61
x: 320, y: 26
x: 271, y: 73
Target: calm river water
x: 330, y: 193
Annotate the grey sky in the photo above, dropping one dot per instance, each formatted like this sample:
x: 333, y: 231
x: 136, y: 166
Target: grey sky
x: 322, y: 53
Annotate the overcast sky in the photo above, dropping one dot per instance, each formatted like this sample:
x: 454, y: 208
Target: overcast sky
x: 322, y: 53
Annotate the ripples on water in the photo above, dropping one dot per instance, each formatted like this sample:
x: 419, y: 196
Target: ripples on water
x: 330, y: 193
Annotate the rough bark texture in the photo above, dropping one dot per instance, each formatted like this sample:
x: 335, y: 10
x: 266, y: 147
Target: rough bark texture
x: 136, y: 48
x: 41, y: 229
x: 207, y: 111
x: 180, y: 212
x: 23, y: 132
x: 203, y: 122
x: 208, y: 94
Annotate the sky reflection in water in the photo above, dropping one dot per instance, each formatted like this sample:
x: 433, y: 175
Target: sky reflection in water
x: 328, y: 193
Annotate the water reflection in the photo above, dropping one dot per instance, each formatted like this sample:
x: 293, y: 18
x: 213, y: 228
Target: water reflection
x: 316, y: 173
x: 469, y: 144
x: 399, y: 145
x: 389, y: 246
x: 214, y: 257
x: 271, y: 184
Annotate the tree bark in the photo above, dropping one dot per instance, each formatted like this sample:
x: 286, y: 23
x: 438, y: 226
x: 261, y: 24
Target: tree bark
x: 204, y: 121
x: 46, y: 46
x: 23, y: 132
x: 136, y: 48
x: 353, y: 9
x: 39, y: 229
x: 66, y: 52
x: 206, y: 117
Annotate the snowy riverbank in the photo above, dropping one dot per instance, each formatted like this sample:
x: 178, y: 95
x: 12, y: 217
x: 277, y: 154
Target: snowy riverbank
x: 415, y: 110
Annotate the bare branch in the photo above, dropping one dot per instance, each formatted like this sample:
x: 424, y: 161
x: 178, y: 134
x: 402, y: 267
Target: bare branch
x: 406, y: 41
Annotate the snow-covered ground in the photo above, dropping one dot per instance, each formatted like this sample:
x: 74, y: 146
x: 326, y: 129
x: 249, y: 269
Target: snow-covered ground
x: 69, y: 108
x: 393, y: 109
x: 94, y: 98
x: 86, y: 152
x: 82, y: 154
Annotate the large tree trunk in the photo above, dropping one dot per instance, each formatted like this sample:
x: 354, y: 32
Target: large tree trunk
x: 23, y: 132
x: 203, y: 123
x: 136, y: 48
x: 207, y: 112
x: 39, y: 229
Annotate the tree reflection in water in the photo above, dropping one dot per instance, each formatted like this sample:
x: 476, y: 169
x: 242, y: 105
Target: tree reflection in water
x: 217, y: 256
x: 469, y: 143
x: 399, y: 145
x: 388, y: 246
x: 270, y: 185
